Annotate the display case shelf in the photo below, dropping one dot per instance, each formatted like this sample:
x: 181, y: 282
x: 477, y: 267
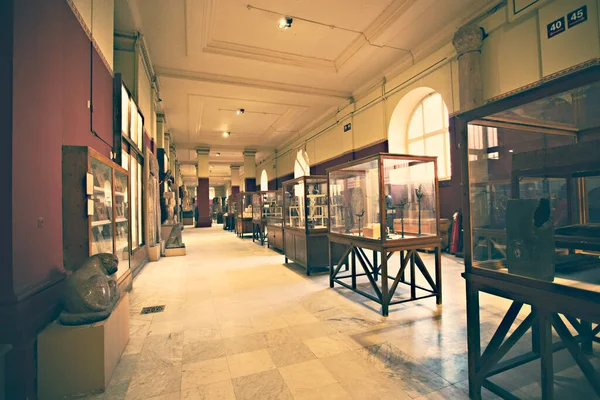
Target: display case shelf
x: 387, y: 204
x: 305, y: 218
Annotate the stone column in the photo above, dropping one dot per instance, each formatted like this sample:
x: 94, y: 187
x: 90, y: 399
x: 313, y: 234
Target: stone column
x: 235, y: 179
x: 202, y: 191
x: 468, y: 41
x: 160, y: 131
x: 250, y: 170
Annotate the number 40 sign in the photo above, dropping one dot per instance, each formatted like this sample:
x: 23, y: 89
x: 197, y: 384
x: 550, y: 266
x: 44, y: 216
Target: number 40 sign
x: 573, y: 18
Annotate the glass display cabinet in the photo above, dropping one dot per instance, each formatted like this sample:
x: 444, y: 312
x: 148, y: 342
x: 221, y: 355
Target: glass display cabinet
x: 96, y: 210
x: 232, y: 202
x: 263, y: 206
x: 306, y: 216
x: 275, y: 221
x: 243, y: 222
x: 532, y: 235
x: 389, y: 204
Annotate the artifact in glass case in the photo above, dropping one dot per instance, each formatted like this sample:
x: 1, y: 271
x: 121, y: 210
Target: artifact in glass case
x: 244, y: 214
x: 263, y: 207
x: 386, y: 204
x: 305, y: 220
x: 275, y: 221
x: 531, y: 234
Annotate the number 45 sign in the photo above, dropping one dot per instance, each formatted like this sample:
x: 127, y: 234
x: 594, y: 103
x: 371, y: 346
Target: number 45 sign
x: 573, y: 18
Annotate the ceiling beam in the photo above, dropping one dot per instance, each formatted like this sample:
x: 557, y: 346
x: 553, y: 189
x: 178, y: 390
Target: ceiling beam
x: 254, y: 83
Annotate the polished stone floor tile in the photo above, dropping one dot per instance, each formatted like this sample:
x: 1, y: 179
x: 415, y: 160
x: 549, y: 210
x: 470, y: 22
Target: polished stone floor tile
x: 330, y: 392
x: 250, y: 363
x: 267, y: 385
x: 203, y: 350
x: 244, y: 344
x: 213, y: 391
x: 204, y: 372
x: 307, y: 375
x: 292, y: 353
x: 154, y: 379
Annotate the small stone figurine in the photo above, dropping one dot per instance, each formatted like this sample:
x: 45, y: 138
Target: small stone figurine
x: 401, y: 206
x: 419, y: 194
x: 91, y: 292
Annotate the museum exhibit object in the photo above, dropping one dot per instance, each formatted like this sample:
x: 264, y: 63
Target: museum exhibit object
x: 231, y: 212
x: 275, y: 222
x: 305, y: 219
x: 531, y: 196
x: 264, y: 205
x: 96, y: 210
x: 243, y: 221
x: 385, y: 204
x: 187, y: 207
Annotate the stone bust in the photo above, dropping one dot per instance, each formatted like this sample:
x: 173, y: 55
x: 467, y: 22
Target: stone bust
x: 91, y: 292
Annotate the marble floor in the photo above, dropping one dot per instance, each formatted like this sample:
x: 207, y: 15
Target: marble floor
x: 241, y: 324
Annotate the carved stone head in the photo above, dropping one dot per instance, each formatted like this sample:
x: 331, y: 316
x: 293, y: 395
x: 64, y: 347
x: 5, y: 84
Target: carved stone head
x: 109, y: 262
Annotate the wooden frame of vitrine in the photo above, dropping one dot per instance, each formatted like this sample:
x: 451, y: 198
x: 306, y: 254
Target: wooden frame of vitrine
x: 548, y: 300
x: 259, y: 223
x: 344, y: 250
x: 243, y: 225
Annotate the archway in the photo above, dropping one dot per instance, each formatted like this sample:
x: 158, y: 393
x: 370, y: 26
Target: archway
x: 264, y: 181
x: 301, y: 165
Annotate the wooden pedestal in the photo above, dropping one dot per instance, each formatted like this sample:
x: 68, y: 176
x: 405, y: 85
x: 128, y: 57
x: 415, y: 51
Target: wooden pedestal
x: 79, y: 360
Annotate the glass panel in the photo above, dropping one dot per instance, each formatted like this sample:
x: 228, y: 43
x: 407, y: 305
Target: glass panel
x: 140, y: 197
x: 354, y: 194
x: 317, y: 215
x: 257, y: 207
x: 275, y: 202
x: 245, y: 205
x: 417, y: 148
x: 125, y: 159
x: 592, y: 185
x: 435, y: 146
x: 433, y: 113
x: 134, y: 217
x: 133, y: 122
x: 410, y: 198
x: 102, y: 227
x: 122, y: 221
x: 124, y: 111
x: 294, y: 204
x: 415, y: 130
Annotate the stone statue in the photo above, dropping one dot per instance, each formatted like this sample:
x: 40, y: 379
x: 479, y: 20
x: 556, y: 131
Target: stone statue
x: 170, y: 205
x: 187, y: 202
x: 91, y: 292
x: 174, y: 240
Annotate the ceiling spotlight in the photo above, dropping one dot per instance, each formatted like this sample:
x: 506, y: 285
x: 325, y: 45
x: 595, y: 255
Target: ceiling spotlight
x: 226, y: 134
x: 240, y: 111
x: 218, y: 154
x: 286, y: 22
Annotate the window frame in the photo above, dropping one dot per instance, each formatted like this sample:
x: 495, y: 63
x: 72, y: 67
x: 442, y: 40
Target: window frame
x: 444, y: 132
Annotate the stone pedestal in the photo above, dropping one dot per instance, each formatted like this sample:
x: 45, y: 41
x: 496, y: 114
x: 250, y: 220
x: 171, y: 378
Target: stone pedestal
x: 80, y: 360
x: 175, y: 251
x: 154, y: 252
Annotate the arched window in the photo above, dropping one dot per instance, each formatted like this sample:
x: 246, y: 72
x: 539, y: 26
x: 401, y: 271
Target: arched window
x: 264, y: 181
x: 427, y: 133
x: 301, y: 166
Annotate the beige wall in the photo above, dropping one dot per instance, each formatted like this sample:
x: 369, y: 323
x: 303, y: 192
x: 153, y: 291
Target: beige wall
x: 514, y: 54
x: 99, y: 20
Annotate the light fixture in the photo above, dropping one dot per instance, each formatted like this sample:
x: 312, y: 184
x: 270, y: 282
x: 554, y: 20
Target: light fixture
x: 510, y: 151
x: 240, y: 111
x: 226, y: 134
x: 286, y: 22
x: 218, y: 154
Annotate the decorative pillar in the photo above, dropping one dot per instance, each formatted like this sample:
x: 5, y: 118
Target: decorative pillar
x: 160, y: 131
x: 202, y: 191
x: 235, y: 179
x: 468, y: 41
x: 250, y: 170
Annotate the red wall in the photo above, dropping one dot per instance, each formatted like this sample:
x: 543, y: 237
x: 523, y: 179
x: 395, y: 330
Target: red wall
x: 203, y: 203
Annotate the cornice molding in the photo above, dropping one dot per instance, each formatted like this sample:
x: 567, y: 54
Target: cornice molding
x: 255, y: 83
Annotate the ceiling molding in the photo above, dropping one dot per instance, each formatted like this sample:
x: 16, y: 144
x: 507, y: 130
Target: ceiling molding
x: 254, y: 83
x: 269, y: 56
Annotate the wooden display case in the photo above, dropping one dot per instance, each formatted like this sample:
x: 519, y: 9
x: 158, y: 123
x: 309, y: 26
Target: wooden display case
x: 543, y: 144
x: 96, y: 210
x: 264, y: 206
x: 243, y: 220
x: 387, y: 204
x: 275, y: 223
x: 305, y: 222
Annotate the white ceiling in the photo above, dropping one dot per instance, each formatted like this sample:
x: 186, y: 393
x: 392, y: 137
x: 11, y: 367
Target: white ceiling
x: 215, y: 56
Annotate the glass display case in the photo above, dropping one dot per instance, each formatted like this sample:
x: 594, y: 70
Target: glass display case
x: 244, y: 214
x: 264, y: 206
x: 275, y: 221
x: 96, y: 210
x: 386, y: 203
x: 532, y: 166
x: 305, y: 220
x: 232, y: 202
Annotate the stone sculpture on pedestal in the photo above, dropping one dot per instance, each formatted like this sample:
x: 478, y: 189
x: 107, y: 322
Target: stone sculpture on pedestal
x: 91, y: 292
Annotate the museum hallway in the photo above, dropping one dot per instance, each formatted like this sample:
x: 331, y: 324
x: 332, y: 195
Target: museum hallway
x: 240, y: 324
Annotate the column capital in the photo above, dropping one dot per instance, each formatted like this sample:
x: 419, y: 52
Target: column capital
x: 235, y: 167
x: 249, y: 152
x: 172, y: 148
x: 167, y: 135
x: 468, y: 39
x: 160, y: 117
x: 203, y: 151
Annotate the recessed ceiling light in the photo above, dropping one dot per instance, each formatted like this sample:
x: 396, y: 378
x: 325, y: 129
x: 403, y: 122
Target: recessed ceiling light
x: 286, y: 22
x: 226, y: 134
x: 510, y: 151
x: 240, y: 111
x: 218, y: 154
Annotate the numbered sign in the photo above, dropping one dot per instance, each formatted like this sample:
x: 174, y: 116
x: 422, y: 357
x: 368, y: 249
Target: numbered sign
x: 576, y: 17
x: 556, y: 27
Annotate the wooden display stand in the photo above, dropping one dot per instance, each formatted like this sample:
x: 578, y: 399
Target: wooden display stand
x: 275, y: 237
x: 80, y: 360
